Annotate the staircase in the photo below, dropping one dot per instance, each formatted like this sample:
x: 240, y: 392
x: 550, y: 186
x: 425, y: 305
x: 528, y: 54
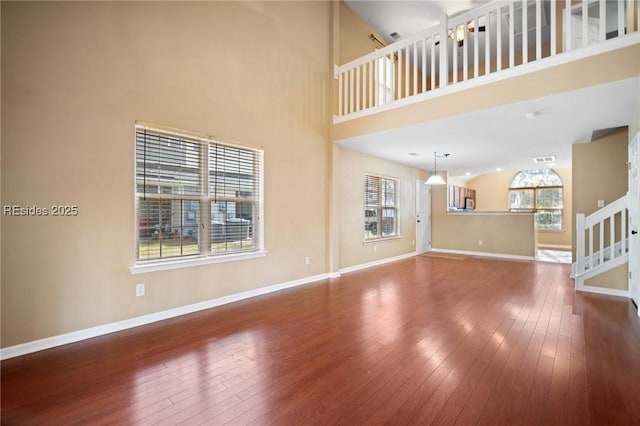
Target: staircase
x: 602, y: 243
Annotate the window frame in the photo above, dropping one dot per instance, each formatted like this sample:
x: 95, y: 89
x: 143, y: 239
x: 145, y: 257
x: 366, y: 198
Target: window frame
x: 535, y: 209
x: 384, y: 80
x: 205, y: 201
x: 380, y: 207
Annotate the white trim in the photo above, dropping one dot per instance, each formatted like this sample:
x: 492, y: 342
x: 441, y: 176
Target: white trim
x: 334, y: 275
x: 197, y: 261
x: 484, y: 254
x: 376, y: 263
x: 605, y: 291
x: 382, y: 239
x: 566, y: 247
x: 88, y: 333
x: 531, y: 67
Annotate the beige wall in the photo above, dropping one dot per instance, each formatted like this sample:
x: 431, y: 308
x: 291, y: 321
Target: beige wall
x: 354, y: 36
x: 76, y: 77
x: 492, y: 191
x: 600, y: 173
x: 492, y: 194
x: 353, y: 250
x: 512, y: 234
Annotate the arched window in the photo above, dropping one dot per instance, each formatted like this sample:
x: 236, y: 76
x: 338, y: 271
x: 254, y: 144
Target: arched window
x: 538, y: 191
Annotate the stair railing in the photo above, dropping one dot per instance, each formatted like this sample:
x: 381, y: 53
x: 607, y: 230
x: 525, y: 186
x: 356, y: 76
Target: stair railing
x: 592, y: 241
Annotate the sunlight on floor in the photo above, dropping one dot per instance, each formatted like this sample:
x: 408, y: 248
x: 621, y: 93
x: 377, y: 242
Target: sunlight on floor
x: 554, y: 256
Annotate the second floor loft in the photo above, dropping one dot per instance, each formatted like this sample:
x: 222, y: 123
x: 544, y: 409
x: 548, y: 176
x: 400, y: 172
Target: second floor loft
x: 499, y: 40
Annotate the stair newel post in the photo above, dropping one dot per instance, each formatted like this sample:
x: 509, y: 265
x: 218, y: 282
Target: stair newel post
x: 580, y: 242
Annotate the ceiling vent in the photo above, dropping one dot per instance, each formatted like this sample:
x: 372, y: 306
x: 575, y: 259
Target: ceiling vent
x: 394, y: 35
x: 544, y: 160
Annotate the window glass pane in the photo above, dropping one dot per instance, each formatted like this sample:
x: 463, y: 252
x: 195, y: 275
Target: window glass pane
x: 549, y: 219
x: 371, y: 190
x: 389, y: 195
x: 370, y: 223
x: 389, y: 223
x: 521, y: 199
x: 167, y: 228
x: 231, y: 172
x: 534, y: 178
x: 232, y: 226
x: 384, y: 81
x: 167, y: 164
x: 549, y: 198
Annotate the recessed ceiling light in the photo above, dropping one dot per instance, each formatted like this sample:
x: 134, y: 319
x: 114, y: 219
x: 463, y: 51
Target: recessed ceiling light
x: 530, y: 115
x: 414, y: 154
x: 498, y: 169
x: 551, y: 164
x: 468, y: 174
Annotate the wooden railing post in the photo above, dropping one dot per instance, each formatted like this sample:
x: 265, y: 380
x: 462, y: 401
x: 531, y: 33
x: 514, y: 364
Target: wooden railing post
x: 580, y: 229
x: 444, y: 61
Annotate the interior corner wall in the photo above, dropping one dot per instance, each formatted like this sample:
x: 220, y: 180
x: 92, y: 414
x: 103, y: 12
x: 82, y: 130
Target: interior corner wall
x: 354, y: 36
x: 75, y: 78
x: 600, y: 173
x: 353, y: 250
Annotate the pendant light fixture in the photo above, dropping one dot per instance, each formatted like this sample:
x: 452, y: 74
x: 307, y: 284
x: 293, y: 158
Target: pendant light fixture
x: 436, y: 179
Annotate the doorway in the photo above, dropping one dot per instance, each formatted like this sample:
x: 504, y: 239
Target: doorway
x: 423, y: 217
x: 634, y: 220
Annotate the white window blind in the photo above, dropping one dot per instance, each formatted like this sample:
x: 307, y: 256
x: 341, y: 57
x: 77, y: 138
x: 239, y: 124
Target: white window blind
x: 196, y: 196
x: 380, y: 207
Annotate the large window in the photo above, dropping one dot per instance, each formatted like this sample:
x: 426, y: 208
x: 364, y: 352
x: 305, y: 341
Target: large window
x: 384, y: 80
x: 538, y: 191
x: 380, y: 207
x: 195, y: 196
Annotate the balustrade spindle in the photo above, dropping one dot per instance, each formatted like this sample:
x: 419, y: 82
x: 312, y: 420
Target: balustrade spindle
x: 525, y: 33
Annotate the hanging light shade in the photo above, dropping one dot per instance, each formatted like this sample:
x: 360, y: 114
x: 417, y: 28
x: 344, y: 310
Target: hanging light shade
x: 436, y: 179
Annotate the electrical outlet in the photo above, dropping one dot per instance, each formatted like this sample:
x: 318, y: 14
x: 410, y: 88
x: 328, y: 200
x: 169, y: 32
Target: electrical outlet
x: 480, y: 242
x: 600, y: 204
x: 307, y: 260
x: 375, y: 249
x: 139, y: 289
x: 413, y: 242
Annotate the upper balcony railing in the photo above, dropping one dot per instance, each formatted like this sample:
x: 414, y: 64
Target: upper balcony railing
x: 493, y: 40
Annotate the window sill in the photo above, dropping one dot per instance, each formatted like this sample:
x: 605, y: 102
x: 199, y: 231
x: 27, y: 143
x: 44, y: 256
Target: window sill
x: 551, y: 231
x: 377, y: 240
x: 142, y: 268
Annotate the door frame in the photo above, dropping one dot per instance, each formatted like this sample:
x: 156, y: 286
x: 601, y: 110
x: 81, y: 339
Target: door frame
x: 423, y: 224
x: 634, y: 222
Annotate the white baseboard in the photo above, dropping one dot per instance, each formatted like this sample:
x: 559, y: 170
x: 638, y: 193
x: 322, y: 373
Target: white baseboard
x: 88, y: 333
x: 563, y: 247
x: 605, y: 291
x: 484, y: 254
x: 376, y: 263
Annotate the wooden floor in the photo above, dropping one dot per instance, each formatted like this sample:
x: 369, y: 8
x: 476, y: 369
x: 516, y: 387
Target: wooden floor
x: 421, y: 341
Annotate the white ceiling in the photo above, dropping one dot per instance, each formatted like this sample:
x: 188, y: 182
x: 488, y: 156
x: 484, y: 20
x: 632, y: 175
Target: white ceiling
x: 407, y: 17
x: 482, y: 141
x: 501, y: 137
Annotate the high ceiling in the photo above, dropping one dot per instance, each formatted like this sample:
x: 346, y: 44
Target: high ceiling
x: 407, y: 17
x: 502, y: 137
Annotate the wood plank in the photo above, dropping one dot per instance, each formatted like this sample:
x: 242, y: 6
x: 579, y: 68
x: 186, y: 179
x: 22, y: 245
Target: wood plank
x: 427, y: 340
